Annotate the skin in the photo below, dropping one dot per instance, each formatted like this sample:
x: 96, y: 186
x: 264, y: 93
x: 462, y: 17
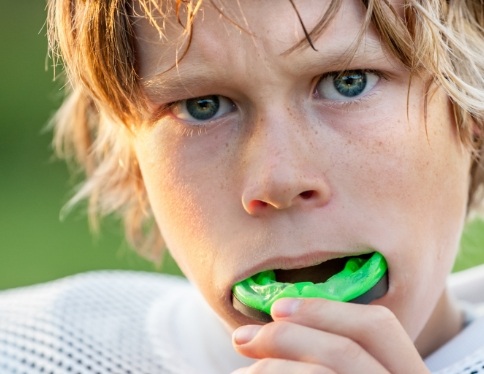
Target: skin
x: 288, y: 176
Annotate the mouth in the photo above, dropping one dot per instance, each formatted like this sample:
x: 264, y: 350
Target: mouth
x: 358, y: 279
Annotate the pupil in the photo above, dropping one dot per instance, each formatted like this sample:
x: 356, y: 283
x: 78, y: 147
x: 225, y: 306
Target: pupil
x: 203, y: 108
x: 350, y: 83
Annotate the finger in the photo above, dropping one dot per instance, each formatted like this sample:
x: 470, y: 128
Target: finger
x: 278, y: 366
x: 290, y: 341
x: 375, y: 328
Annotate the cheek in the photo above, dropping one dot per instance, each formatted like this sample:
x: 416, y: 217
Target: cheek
x: 414, y: 167
x: 401, y: 182
x: 188, y: 197
x: 416, y: 182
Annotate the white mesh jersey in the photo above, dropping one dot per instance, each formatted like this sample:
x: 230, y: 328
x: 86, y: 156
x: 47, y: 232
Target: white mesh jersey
x: 118, y: 322
x: 114, y: 323
x: 464, y: 354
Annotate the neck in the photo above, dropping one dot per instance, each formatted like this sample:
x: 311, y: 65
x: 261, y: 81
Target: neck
x: 445, y: 322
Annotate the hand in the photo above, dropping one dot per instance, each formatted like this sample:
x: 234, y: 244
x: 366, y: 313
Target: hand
x: 321, y: 336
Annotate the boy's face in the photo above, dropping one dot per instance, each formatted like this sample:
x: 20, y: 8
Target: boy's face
x: 280, y: 164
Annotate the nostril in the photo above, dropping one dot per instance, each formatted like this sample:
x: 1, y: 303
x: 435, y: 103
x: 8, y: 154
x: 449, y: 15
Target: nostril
x: 257, y: 204
x: 307, y: 194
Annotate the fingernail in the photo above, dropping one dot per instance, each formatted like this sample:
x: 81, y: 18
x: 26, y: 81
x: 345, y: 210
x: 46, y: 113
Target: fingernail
x: 285, y: 307
x: 245, y: 334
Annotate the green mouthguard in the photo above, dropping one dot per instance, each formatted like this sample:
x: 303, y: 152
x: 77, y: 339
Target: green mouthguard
x: 357, y: 278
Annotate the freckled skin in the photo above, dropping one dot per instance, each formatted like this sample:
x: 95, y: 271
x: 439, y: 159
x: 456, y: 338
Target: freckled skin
x: 287, y: 178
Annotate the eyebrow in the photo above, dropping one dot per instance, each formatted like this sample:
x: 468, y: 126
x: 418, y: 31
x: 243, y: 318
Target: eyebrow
x: 185, y: 80
x: 368, y: 47
x: 176, y: 84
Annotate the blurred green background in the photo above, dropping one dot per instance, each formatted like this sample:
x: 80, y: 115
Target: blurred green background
x: 35, y: 245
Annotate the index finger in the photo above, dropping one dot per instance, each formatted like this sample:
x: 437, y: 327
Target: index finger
x: 373, y: 327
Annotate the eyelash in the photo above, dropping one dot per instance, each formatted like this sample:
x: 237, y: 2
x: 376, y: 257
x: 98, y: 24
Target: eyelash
x: 201, y: 126
x: 350, y: 102
x: 181, y: 108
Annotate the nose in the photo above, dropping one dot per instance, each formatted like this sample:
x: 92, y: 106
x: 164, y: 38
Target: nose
x: 285, y: 169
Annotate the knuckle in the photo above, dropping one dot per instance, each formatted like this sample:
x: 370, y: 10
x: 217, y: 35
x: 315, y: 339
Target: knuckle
x: 347, y: 348
x: 374, y: 317
x: 383, y: 317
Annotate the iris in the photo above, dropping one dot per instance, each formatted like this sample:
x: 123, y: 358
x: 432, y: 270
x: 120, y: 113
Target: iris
x: 350, y: 83
x: 203, y: 108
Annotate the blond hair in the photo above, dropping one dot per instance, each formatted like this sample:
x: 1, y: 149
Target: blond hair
x: 104, y: 103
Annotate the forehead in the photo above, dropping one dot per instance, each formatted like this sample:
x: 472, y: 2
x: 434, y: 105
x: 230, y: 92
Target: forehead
x: 221, y: 28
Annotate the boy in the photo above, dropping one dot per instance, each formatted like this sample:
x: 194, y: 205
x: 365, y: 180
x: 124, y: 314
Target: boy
x: 266, y: 135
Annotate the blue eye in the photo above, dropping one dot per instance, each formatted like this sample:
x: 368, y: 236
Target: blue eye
x: 204, y: 108
x: 341, y: 86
